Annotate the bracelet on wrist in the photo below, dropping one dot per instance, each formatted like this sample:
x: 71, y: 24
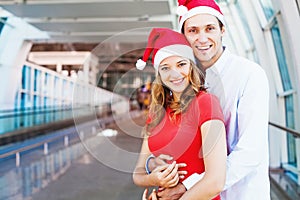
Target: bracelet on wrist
x: 147, y: 162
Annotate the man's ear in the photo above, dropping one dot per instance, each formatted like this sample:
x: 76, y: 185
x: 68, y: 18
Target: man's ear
x: 223, y: 30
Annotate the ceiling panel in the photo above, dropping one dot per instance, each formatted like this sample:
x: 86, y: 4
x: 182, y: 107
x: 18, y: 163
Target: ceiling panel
x: 97, y: 26
x: 97, y: 38
x: 116, y: 29
x: 91, y: 20
x: 88, y: 10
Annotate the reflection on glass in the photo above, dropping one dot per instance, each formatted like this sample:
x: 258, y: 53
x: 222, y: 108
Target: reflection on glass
x: 21, y: 182
x: 289, y: 102
x: 268, y: 8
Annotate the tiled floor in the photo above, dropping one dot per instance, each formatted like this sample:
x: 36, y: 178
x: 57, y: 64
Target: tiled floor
x: 102, y: 174
x: 276, y: 194
x: 283, y: 187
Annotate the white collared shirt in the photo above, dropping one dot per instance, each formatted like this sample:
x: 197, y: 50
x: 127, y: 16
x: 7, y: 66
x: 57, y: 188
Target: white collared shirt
x: 243, y: 90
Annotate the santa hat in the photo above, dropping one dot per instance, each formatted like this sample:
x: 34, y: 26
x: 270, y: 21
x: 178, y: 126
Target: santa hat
x: 190, y: 8
x: 163, y: 43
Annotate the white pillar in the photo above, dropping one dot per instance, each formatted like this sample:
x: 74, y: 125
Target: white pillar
x: 59, y: 67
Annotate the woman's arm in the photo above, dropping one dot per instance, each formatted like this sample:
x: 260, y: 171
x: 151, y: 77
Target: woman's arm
x: 164, y: 176
x: 214, y: 154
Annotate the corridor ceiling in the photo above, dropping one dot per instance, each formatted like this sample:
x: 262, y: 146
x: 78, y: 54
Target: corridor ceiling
x: 113, y: 30
x: 94, y: 21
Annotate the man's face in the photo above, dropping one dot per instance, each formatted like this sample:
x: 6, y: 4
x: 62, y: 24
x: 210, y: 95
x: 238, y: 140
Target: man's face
x: 205, y: 36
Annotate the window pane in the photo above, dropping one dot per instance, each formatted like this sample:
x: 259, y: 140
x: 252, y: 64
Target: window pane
x: 291, y: 142
x: 2, y: 23
x: 245, y: 23
x: 268, y: 8
x: 285, y: 77
x: 286, y: 82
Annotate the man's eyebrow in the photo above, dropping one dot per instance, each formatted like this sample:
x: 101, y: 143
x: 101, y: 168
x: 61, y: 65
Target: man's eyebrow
x: 162, y: 65
x: 212, y: 24
x: 192, y: 26
x: 208, y: 24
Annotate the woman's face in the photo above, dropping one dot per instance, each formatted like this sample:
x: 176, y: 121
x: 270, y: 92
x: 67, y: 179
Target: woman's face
x: 174, y: 72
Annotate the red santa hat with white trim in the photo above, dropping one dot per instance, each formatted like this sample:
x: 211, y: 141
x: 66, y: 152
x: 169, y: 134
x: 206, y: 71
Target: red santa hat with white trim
x: 163, y: 43
x: 190, y: 8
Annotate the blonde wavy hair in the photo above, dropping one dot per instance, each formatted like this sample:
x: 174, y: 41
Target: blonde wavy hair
x: 161, y: 97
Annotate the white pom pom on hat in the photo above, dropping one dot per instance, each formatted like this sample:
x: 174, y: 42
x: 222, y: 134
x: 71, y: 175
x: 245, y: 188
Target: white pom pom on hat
x: 181, y: 10
x: 140, y: 64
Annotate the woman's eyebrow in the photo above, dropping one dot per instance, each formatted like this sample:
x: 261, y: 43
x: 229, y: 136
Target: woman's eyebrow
x: 183, y: 60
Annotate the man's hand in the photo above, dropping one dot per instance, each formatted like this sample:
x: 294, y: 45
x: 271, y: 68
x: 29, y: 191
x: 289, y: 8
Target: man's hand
x: 173, y: 193
x: 152, y: 196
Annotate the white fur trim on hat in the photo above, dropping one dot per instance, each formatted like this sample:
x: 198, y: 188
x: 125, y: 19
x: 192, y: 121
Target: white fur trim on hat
x: 140, y: 64
x: 176, y: 49
x: 201, y: 10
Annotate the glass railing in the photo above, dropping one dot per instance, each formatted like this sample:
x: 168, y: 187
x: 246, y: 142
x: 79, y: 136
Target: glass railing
x: 12, y: 120
x: 21, y: 182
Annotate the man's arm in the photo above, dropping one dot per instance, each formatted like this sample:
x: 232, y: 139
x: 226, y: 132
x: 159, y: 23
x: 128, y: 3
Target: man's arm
x: 173, y: 193
x: 176, y: 192
x: 252, y: 147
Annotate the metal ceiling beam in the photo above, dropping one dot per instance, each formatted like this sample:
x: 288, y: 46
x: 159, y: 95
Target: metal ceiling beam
x: 83, y: 10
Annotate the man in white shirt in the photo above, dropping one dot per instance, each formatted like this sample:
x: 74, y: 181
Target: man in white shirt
x: 242, y: 88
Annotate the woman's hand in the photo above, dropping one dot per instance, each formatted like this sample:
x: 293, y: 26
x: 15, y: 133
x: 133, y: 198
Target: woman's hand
x: 163, y: 159
x: 166, y: 175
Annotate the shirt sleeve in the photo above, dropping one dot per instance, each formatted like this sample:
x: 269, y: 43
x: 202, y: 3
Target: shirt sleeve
x: 251, y: 149
x: 208, y: 108
x: 192, y: 180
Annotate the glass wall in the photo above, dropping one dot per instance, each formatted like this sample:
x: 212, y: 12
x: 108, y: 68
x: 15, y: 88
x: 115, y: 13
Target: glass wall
x: 45, y: 96
x: 288, y: 93
x: 289, y: 103
x: 268, y: 8
x: 250, y: 48
x: 266, y: 42
x: 2, y: 23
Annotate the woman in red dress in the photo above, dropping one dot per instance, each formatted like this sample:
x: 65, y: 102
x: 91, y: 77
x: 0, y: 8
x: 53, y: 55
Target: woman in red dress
x: 184, y: 121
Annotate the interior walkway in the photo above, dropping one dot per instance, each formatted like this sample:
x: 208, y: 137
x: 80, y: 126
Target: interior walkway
x: 88, y: 178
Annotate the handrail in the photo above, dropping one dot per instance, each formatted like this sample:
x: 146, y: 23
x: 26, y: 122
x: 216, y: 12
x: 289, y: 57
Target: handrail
x: 32, y: 146
x: 16, y: 113
x: 102, y: 122
x: 45, y: 142
x: 289, y: 130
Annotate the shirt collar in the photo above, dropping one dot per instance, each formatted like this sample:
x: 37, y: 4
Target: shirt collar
x: 220, y: 64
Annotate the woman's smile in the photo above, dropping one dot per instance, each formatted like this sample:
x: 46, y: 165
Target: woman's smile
x: 177, y: 81
x: 174, y: 71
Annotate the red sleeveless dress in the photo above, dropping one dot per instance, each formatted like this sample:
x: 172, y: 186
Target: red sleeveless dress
x: 181, y: 138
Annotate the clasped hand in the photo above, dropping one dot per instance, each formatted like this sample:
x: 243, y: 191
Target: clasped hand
x: 166, y: 175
